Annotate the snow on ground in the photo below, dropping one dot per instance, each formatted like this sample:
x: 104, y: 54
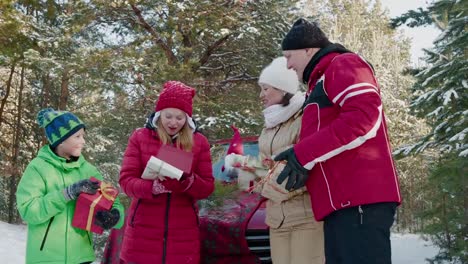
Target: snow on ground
x: 411, y: 249
x: 12, y: 243
x: 406, y: 248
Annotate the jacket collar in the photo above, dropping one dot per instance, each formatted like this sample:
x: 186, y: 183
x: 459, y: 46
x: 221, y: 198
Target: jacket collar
x: 310, y: 68
x: 48, y: 155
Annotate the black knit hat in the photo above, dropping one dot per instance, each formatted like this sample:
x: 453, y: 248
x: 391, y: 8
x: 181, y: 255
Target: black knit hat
x: 304, y: 34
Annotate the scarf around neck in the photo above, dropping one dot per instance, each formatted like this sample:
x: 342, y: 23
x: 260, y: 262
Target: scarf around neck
x: 277, y: 114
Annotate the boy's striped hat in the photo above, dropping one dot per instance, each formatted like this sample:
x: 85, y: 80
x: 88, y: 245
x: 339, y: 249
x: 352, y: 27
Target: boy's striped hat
x: 58, y: 125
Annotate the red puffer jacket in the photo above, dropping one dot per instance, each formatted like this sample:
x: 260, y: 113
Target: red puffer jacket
x: 162, y: 228
x: 343, y: 139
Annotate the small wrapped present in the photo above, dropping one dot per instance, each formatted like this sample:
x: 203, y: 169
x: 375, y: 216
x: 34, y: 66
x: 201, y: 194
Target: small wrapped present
x: 158, y: 169
x: 169, y: 162
x: 87, y: 205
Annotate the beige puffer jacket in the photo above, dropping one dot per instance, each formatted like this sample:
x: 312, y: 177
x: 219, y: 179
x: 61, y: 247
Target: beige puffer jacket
x: 297, y: 209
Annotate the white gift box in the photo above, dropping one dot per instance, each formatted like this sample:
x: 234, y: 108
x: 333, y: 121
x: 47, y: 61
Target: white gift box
x: 158, y: 169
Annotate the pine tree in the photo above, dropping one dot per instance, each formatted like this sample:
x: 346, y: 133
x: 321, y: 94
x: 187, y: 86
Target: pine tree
x: 218, y: 47
x: 446, y: 217
x: 441, y: 98
x: 106, y: 62
x: 440, y: 90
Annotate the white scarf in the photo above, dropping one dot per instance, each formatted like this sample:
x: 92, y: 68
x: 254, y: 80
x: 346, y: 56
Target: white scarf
x: 277, y: 114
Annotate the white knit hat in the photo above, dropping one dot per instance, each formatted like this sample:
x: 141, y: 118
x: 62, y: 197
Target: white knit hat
x: 279, y: 76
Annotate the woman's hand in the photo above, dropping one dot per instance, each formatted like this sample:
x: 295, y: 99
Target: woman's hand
x: 169, y: 185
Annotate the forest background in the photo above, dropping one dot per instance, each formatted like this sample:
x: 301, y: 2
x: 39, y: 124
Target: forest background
x: 106, y: 61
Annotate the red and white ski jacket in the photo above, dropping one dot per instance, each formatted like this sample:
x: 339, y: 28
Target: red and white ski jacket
x: 343, y: 139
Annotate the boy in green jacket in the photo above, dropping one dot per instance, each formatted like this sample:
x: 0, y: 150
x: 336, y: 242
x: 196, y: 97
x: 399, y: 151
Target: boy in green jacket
x: 47, y: 193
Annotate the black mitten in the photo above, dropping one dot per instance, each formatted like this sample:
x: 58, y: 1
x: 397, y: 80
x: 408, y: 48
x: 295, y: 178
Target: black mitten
x: 293, y: 171
x: 107, y: 219
x: 87, y: 186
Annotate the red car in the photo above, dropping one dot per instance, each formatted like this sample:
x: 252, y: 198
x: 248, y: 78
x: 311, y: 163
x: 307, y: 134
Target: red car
x: 233, y: 233
x: 240, y: 222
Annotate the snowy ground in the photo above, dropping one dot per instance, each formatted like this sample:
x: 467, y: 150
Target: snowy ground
x: 406, y: 248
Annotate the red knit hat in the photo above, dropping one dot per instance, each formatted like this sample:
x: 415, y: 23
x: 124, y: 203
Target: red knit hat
x: 175, y: 94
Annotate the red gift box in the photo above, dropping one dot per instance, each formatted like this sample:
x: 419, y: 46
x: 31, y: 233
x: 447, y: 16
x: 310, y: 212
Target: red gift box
x: 87, y: 205
x: 176, y: 157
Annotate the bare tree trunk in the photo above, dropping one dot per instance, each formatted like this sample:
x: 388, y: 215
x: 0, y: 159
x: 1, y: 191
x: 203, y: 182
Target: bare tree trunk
x: 464, y: 171
x: 64, y: 93
x: 448, y: 239
x: 45, y: 90
x: 45, y: 98
x: 14, y: 160
x: 157, y: 39
x: 7, y: 93
x: 409, y: 204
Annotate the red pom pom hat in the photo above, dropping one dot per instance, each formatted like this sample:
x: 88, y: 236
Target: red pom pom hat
x: 178, y: 95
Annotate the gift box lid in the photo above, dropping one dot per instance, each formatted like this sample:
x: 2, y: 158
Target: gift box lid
x: 176, y: 157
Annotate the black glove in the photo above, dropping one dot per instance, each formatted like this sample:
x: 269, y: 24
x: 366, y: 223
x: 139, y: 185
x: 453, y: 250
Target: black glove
x: 293, y: 170
x: 107, y: 219
x: 86, y: 186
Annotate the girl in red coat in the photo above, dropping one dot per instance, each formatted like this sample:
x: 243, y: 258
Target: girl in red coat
x: 162, y: 223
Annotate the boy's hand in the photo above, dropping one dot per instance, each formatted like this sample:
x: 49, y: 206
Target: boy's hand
x: 73, y: 190
x: 107, y: 219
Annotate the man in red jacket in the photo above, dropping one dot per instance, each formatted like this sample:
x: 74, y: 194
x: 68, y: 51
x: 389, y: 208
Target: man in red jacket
x: 343, y: 155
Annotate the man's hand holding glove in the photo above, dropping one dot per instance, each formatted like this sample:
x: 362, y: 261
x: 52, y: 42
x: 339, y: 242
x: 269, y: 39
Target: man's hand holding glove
x: 293, y: 170
x: 73, y: 190
x: 107, y: 219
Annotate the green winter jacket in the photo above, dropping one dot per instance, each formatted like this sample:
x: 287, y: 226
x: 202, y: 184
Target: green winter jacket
x: 40, y: 202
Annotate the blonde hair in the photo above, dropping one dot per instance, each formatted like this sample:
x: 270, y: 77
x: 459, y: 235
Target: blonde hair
x: 184, y: 139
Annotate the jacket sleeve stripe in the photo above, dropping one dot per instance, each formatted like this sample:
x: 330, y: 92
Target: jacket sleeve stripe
x: 351, y: 87
x: 357, y: 93
x: 351, y: 145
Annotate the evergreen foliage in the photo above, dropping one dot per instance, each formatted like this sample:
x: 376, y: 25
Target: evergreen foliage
x: 447, y: 218
x: 106, y: 62
x: 440, y: 90
x: 441, y: 98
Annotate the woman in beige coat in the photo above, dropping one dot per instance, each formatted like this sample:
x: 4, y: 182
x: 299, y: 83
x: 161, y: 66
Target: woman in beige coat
x: 295, y: 237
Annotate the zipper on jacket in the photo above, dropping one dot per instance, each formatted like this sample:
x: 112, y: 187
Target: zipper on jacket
x: 67, y: 217
x: 134, y: 212
x: 90, y: 241
x: 273, y: 139
x: 361, y: 213
x: 46, y: 233
x: 166, y: 227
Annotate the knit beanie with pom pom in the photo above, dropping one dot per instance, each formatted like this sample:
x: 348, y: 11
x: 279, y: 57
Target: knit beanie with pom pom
x: 178, y: 95
x: 58, y: 125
